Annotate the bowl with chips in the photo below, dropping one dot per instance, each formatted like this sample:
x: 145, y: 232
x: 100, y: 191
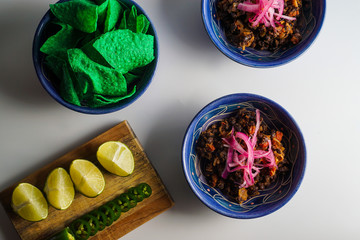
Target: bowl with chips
x: 95, y: 57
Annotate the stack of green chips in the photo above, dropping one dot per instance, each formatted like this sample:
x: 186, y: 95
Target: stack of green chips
x: 100, y: 51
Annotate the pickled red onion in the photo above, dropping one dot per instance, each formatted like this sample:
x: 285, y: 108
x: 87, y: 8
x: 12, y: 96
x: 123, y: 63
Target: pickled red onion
x: 248, y: 7
x: 265, y: 10
x: 240, y: 159
x: 228, y: 160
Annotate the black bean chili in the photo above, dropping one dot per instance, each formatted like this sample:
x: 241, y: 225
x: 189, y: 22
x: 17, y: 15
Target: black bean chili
x: 212, y: 154
x: 240, y: 32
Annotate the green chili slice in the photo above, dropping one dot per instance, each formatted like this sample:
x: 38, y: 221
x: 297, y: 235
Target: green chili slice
x: 93, y: 223
x: 145, y: 189
x: 101, y: 217
x: 109, y: 213
x: 81, y: 229
x: 123, y: 203
x: 130, y: 197
x: 115, y: 208
x: 137, y: 193
x: 65, y: 234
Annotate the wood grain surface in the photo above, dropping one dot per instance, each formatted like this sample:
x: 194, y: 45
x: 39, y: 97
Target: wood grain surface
x: 159, y: 201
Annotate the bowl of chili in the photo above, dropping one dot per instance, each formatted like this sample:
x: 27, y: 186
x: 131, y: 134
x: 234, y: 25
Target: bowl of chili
x: 263, y: 33
x: 267, y: 144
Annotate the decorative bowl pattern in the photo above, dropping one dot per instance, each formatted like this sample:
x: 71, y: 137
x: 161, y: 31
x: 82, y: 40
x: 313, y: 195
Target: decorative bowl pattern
x: 272, y: 198
x: 310, y: 22
x: 41, y: 34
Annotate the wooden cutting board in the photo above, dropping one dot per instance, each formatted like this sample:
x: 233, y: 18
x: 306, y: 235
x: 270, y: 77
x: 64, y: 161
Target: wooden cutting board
x: 159, y: 201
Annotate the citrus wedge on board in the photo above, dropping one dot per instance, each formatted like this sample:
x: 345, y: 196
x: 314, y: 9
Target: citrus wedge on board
x: 59, y: 189
x: 29, y: 202
x: 87, y: 178
x: 116, y: 157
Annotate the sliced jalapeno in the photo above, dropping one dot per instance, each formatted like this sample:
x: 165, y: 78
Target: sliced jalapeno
x: 123, y: 203
x: 145, y: 189
x: 110, y: 216
x: 93, y: 223
x: 81, y: 229
x: 130, y: 197
x: 89, y: 224
x: 115, y: 208
x: 65, y: 234
x: 137, y: 193
x: 101, y: 217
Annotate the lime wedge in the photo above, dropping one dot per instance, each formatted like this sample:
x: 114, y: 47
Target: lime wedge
x: 116, y: 157
x: 87, y: 178
x: 29, y: 202
x: 59, y: 189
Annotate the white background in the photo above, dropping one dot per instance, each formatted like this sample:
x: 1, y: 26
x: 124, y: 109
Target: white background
x: 320, y: 89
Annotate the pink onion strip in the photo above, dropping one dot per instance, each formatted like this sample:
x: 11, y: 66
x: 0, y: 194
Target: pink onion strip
x: 248, y: 7
x: 240, y: 159
x: 231, y: 141
x: 280, y: 8
x: 285, y: 17
x: 265, y: 10
x: 228, y: 160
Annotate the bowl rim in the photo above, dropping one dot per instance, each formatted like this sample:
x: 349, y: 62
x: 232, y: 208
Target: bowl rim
x: 187, y: 173
x: 206, y: 17
x: 48, y: 86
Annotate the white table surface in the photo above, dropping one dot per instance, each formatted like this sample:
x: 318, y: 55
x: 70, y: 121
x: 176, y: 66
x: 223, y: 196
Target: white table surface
x: 320, y: 89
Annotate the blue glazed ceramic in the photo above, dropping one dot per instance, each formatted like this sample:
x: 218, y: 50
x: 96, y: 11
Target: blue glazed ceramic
x: 277, y: 194
x: 41, y: 34
x: 310, y: 22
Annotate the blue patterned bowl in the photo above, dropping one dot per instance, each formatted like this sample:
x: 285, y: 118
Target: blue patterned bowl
x: 310, y: 22
x: 277, y: 194
x: 42, y: 33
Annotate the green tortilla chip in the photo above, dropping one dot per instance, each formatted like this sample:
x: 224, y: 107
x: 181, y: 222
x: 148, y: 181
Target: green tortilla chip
x: 98, y: 100
x: 113, y: 14
x: 102, y: 12
x: 93, y: 54
x: 55, y: 64
x: 124, y: 6
x: 123, y: 24
x: 125, y: 50
x: 100, y: 79
x: 136, y: 23
x: 131, y: 78
x: 57, y: 45
x: 142, y: 24
x: 88, y: 37
x: 66, y: 82
x: 67, y: 89
x: 80, y: 14
x: 131, y: 19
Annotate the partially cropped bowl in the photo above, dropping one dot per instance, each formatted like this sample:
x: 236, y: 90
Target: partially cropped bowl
x: 310, y: 22
x: 47, y: 78
x: 271, y: 198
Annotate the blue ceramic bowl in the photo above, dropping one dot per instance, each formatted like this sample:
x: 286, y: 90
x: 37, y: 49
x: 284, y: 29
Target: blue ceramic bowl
x: 44, y: 30
x: 277, y: 194
x: 310, y: 22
